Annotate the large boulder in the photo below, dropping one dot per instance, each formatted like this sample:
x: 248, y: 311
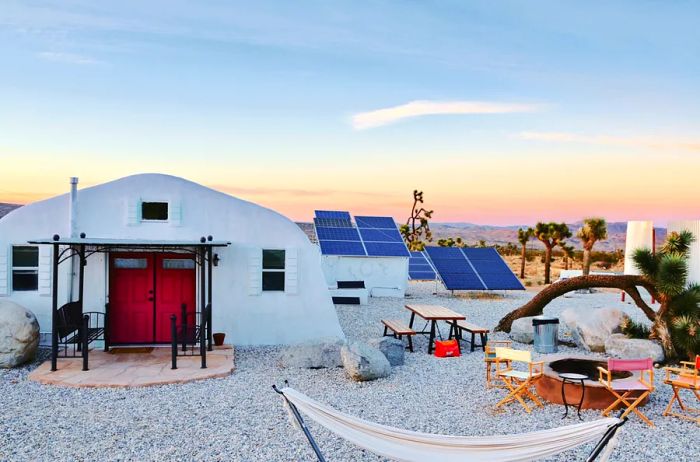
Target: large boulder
x: 314, y: 354
x: 392, y: 348
x: 363, y: 362
x: 522, y: 331
x: 591, y: 328
x: 19, y: 334
x: 619, y: 346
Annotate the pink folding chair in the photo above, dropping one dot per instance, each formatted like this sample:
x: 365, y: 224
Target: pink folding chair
x: 623, y: 388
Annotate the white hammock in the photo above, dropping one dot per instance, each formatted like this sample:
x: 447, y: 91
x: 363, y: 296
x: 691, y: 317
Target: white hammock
x: 410, y: 446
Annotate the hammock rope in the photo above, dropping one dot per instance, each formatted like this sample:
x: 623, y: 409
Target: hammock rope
x: 410, y: 446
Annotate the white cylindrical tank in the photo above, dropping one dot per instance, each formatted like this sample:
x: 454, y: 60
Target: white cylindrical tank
x: 640, y: 234
x: 694, y: 261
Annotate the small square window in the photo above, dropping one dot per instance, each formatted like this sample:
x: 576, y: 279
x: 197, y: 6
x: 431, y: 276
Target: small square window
x: 273, y: 259
x: 25, y: 256
x: 273, y: 281
x: 154, y: 211
x: 25, y: 268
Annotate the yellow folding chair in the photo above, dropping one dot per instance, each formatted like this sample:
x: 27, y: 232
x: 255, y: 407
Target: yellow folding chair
x: 516, y: 381
x: 686, y: 377
x: 623, y: 389
x: 490, y: 357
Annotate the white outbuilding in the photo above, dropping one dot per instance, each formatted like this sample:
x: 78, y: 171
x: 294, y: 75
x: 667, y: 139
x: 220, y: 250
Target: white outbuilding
x: 146, y: 242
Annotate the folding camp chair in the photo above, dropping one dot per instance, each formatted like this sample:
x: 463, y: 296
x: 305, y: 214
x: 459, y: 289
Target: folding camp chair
x: 686, y: 377
x: 622, y: 389
x: 518, y: 382
x: 490, y: 357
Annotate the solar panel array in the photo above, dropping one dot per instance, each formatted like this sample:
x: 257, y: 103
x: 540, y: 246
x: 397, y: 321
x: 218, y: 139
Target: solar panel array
x: 373, y: 236
x: 472, y: 269
x: 420, y: 268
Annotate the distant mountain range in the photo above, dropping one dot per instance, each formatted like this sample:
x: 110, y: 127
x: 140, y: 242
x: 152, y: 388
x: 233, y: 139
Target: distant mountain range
x: 7, y: 208
x: 472, y: 233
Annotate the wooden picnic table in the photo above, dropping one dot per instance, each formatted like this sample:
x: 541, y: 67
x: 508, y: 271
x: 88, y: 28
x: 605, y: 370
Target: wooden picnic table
x: 433, y: 314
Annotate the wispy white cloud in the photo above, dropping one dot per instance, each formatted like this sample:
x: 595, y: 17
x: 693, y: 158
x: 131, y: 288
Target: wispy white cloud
x: 70, y: 58
x: 394, y: 114
x: 643, y: 142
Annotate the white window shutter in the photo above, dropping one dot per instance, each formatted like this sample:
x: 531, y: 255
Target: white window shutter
x: 255, y: 272
x: 291, y: 271
x: 175, y: 213
x: 45, y: 270
x: 4, y: 272
x: 132, y: 211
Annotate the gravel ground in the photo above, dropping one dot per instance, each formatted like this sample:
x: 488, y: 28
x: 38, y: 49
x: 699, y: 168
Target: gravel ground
x: 241, y: 418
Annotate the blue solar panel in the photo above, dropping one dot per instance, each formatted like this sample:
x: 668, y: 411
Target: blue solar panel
x: 333, y: 222
x: 337, y: 234
x: 472, y: 269
x: 462, y: 281
x: 342, y: 248
x: 452, y: 253
x: 422, y: 275
x: 386, y: 249
x: 375, y: 222
x: 481, y: 253
x: 380, y: 235
x: 418, y: 255
x: 332, y: 214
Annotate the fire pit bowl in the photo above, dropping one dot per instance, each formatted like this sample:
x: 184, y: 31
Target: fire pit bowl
x: 596, y: 396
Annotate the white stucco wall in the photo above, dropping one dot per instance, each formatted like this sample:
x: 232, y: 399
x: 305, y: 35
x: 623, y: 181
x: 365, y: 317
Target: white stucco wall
x: 383, y: 276
x: 247, y: 315
x: 639, y: 236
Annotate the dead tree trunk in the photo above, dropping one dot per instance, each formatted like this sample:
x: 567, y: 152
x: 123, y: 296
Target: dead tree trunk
x: 522, y: 262
x: 628, y: 283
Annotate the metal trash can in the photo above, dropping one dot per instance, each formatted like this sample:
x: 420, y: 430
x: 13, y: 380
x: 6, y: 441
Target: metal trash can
x: 546, y: 334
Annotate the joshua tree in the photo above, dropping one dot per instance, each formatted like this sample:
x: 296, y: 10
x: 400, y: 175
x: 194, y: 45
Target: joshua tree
x: 568, y: 254
x: 676, y: 324
x: 593, y: 230
x: 524, y: 235
x: 417, y: 228
x: 451, y: 242
x: 551, y: 235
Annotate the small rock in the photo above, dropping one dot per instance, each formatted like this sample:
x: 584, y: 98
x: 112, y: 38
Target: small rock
x: 591, y: 328
x: 19, y: 334
x: 392, y: 348
x: 619, y: 346
x: 315, y: 354
x: 363, y: 362
x: 522, y: 331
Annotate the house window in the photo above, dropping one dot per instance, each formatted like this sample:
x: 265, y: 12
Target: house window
x: 273, y: 270
x: 154, y: 211
x: 25, y: 268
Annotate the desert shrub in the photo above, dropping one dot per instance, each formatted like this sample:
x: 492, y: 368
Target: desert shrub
x: 633, y: 329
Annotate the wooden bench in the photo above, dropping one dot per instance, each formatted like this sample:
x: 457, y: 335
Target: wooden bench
x: 399, y: 329
x: 458, y: 328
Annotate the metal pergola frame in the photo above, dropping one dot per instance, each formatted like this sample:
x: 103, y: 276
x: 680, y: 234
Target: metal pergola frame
x: 82, y: 247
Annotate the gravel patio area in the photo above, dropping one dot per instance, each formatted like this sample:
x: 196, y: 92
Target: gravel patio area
x: 241, y: 418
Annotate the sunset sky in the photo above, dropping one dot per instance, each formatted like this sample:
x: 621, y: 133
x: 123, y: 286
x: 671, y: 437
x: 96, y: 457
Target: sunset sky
x: 501, y: 112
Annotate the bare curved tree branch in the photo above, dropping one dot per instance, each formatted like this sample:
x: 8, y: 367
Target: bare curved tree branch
x: 628, y: 283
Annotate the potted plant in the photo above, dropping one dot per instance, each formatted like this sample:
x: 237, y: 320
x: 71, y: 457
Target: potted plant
x: 219, y: 338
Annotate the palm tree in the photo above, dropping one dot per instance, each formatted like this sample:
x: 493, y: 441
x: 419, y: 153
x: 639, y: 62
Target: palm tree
x: 524, y: 235
x: 551, y: 235
x: 592, y: 231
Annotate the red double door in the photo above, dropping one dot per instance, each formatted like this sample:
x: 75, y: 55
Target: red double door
x: 145, y: 289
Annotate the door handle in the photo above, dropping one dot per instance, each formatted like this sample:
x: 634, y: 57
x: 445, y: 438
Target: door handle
x: 150, y: 291
x: 150, y: 299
